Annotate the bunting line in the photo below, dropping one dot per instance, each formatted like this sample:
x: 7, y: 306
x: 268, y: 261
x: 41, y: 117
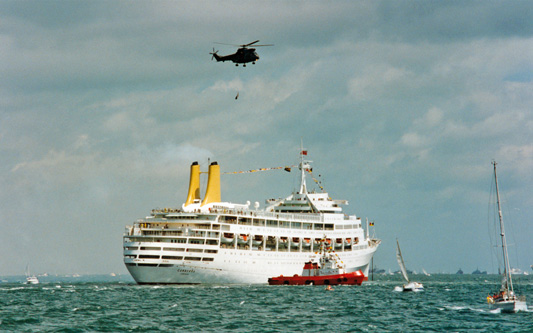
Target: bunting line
x: 286, y: 168
x: 314, y: 179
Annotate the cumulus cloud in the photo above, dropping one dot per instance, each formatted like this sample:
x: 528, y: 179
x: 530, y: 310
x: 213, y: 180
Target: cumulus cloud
x: 403, y: 104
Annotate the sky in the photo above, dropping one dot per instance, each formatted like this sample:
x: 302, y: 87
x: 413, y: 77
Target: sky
x: 402, y: 106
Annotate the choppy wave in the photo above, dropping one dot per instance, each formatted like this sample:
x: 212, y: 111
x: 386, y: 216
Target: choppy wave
x: 448, y: 303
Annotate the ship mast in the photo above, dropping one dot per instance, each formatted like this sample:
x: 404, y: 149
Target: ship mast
x: 506, y: 265
x: 304, y: 166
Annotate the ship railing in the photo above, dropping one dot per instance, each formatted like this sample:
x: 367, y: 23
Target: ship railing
x: 128, y: 230
x: 268, y: 215
x: 191, y: 231
x: 166, y: 226
x: 242, y: 211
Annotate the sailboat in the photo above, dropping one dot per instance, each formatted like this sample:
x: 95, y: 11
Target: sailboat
x: 506, y: 300
x: 30, y: 279
x: 425, y: 273
x: 410, y: 285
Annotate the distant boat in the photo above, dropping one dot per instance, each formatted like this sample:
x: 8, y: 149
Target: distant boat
x: 30, y: 279
x: 477, y: 271
x: 425, y: 273
x: 411, y: 285
x: 506, y: 300
x: 377, y: 270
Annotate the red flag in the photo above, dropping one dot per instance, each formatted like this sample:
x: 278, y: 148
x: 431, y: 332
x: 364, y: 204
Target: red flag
x: 304, y: 152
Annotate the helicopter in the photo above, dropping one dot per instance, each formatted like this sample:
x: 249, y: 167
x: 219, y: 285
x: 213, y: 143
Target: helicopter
x: 242, y: 56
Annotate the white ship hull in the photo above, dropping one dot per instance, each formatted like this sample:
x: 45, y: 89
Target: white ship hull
x: 235, y: 266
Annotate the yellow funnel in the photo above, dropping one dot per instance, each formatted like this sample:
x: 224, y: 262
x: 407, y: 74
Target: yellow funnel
x: 212, y: 194
x: 194, y: 184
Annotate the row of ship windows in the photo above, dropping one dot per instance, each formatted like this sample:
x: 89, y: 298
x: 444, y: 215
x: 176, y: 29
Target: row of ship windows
x: 193, y: 233
x: 148, y: 256
x: 196, y: 241
x: 164, y: 225
x: 239, y: 245
x: 180, y: 249
x: 285, y: 224
x: 261, y: 223
x: 170, y: 265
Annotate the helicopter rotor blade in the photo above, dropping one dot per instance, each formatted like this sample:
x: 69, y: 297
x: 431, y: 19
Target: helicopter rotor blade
x: 244, y: 45
x: 227, y: 44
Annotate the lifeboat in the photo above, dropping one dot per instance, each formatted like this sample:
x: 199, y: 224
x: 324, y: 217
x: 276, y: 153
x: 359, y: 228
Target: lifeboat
x: 243, y: 239
x: 347, y: 243
x: 271, y: 240
x: 295, y: 242
x: 227, y: 238
x: 306, y: 242
x: 283, y: 242
x: 324, y: 270
x: 257, y: 240
x: 338, y: 243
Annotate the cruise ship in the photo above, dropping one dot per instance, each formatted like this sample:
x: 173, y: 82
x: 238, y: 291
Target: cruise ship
x: 210, y: 241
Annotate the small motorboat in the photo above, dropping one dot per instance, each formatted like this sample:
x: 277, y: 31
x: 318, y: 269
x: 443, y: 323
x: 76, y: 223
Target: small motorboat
x: 30, y: 278
x: 323, y: 269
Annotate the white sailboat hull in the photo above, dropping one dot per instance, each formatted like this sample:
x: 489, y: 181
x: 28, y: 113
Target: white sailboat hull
x: 32, y: 280
x: 509, y: 306
x: 413, y: 286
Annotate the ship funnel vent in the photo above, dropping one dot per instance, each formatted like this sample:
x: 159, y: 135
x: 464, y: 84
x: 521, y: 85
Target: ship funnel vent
x: 194, y: 184
x: 212, y: 194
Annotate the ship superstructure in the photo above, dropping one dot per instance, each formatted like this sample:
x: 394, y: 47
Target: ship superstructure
x: 210, y: 241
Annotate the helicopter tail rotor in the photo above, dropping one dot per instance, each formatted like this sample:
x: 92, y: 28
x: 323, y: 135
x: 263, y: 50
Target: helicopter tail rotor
x: 214, y: 54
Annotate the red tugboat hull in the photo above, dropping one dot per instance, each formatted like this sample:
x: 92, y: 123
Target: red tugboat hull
x: 353, y: 278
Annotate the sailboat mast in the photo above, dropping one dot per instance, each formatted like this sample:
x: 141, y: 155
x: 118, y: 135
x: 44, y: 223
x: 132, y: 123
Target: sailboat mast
x: 507, y: 267
x: 401, y: 263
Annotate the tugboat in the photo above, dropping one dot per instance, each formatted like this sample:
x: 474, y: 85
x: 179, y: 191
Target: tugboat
x: 325, y: 268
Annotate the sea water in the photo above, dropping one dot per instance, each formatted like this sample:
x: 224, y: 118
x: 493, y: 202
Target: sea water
x: 449, y: 303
